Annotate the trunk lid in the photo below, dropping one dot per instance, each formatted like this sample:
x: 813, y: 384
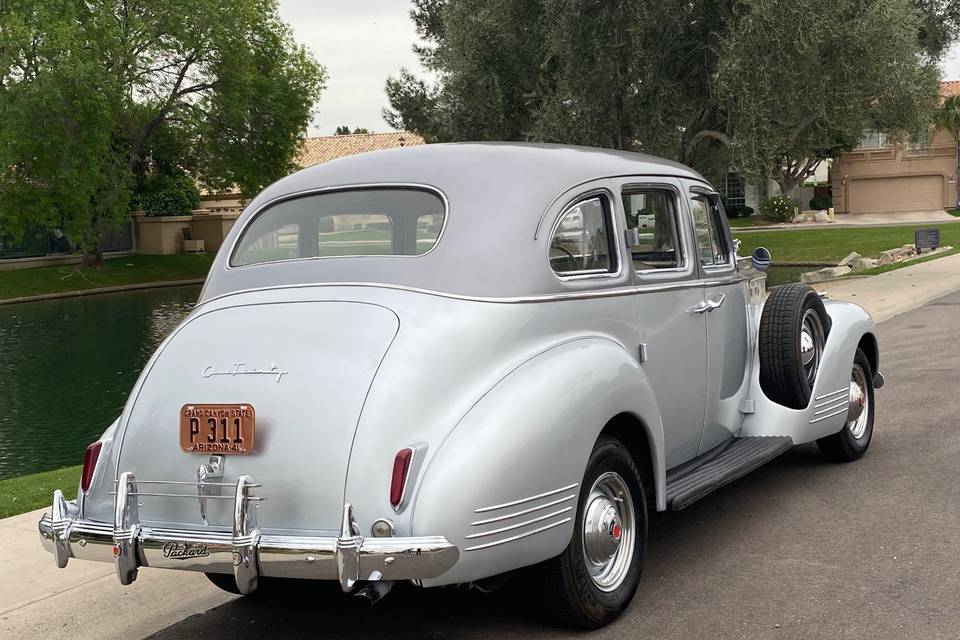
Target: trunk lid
x: 305, y: 367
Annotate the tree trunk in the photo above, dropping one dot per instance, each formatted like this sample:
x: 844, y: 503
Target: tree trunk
x: 93, y: 243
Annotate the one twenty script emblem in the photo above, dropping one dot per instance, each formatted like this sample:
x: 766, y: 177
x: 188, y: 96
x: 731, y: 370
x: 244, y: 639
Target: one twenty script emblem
x: 184, y: 550
x: 241, y: 369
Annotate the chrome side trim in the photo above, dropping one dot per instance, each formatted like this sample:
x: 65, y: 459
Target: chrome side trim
x: 521, y: 524
x: 842, y: 403
x: 553, y: 503
x: 530, y: 499
x: 550, y: 297
x: 830, y: 395
x: 830, y: 415
x: 526, y: 534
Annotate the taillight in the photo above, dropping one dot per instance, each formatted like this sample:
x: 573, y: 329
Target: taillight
x: 89, y: 464
x: 398, y: 481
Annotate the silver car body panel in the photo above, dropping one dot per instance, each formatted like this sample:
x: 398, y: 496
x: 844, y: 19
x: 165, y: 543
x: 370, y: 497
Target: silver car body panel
x: 496, y: 373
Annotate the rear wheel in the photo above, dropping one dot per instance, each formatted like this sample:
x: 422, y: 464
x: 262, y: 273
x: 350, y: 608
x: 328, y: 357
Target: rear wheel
x: 853, y: 440
x: 594, y: 579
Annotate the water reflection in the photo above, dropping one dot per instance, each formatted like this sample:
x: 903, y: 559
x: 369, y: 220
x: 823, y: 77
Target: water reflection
x: 67, y: 366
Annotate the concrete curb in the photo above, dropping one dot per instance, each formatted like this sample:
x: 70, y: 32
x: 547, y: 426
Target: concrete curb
x: 92, y: 292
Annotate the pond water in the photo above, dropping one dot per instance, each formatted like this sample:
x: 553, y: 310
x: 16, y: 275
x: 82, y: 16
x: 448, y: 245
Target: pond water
x: 67, y: 366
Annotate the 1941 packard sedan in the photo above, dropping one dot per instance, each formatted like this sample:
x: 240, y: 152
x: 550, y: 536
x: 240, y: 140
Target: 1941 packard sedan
x: 444, y: 363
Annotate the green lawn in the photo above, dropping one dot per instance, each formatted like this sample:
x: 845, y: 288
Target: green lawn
x: 26, y: 493
x: 751, y: 221
x: 116, y: 271
x: 833, y: 245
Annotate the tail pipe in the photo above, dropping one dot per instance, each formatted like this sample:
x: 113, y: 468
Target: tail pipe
x: 372, y: 593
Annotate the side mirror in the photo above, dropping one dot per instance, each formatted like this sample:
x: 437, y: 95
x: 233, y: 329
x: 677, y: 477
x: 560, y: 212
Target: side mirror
x: 760, y: 259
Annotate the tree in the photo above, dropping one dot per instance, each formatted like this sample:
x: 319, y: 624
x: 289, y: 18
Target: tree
x: 690, y: 80
x: 830, y: 81
x: 96, y: 98
x: 948, y: 117
x: 345, y: 131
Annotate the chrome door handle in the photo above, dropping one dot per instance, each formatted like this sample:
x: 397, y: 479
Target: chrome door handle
x: 713, y: 302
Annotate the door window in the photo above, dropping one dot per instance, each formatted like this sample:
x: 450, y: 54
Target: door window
x: 708, y: 224
x: 653, y: 213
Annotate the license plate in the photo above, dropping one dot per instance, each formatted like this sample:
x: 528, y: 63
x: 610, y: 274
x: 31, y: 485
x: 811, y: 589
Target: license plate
x: 217, y: 428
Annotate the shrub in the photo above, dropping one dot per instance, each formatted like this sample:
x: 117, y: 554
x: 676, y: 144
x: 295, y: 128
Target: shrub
x: 778, y: 208
x: 738, y: 211
x: 821, y: 202
x: 169, y: 195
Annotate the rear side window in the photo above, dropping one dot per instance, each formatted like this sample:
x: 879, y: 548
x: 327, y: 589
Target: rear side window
x: 367, y: 222
x: 582, y: 242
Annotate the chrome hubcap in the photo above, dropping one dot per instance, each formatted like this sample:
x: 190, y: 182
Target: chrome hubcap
x: 609, y: 531
x: 811, y: 345
x: 858, y: 413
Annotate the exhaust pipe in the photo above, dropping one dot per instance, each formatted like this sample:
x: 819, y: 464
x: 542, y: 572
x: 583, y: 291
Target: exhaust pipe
x: 372, y: 593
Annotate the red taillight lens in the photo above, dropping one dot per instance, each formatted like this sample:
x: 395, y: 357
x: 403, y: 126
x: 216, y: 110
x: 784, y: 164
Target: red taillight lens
x: 401, y: 465
x: 89, y: 464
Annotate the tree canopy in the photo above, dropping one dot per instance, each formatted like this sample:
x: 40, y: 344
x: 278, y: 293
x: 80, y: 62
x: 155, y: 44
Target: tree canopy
x: 759, y: 86
x: 99, y: 99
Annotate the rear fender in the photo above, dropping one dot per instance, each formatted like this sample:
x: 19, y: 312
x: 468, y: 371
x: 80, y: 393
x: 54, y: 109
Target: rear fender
x: 826, y: 413
x: 504, y: 484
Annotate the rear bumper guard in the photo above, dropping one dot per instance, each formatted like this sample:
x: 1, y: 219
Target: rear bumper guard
x: 245, y: 552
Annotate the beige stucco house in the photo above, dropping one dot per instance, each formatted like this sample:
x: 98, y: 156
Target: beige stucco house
x: 884, y: 176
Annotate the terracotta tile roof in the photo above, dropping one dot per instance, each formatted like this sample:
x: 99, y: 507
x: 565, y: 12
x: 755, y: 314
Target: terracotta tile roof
x: 949, y: 88
x: 322, y: 149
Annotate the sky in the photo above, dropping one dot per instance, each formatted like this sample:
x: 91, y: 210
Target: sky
x: 362, y: 42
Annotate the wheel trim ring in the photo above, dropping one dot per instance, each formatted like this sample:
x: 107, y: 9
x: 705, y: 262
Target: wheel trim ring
x: 607, y: 574
x: 811, y: 337
x: 858, y: 426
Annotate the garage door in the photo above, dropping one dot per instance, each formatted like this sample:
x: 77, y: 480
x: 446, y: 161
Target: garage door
x: 892, y: 195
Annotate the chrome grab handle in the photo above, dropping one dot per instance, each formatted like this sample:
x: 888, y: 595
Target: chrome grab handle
x: 713, y: 302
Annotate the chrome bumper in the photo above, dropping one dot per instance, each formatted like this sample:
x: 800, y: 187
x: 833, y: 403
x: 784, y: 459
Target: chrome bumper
x: 244, y: 552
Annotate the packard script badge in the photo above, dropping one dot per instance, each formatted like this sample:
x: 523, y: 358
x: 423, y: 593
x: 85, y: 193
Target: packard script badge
x: 184, y: 550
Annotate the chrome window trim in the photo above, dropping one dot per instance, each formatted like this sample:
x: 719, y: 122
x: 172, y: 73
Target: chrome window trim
x: 592, y: 274
x: 332, y: 189
x: 730, y: 262
x: 684, y: 271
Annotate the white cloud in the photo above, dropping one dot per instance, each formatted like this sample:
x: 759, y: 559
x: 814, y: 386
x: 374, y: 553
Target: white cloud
x: 361, y: 43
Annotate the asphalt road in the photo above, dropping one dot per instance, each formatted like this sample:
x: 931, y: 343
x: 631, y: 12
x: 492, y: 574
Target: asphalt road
x: 798, y: 549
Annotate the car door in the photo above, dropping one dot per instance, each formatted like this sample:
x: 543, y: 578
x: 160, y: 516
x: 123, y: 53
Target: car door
x: 672, y: 335
x: 725, y: 296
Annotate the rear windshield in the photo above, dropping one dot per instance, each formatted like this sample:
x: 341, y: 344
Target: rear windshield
x: 367, y: 222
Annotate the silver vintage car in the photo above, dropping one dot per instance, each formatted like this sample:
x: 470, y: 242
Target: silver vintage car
x: 445, y: 363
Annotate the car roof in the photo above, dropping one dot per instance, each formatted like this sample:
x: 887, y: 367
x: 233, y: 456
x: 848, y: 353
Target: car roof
x: 497, y: 193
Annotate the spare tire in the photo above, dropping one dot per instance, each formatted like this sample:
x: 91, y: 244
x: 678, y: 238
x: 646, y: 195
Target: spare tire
x: 793, y: 330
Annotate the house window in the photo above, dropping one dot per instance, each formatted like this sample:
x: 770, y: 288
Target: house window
x: 871, y: 139
x: 736, y: 196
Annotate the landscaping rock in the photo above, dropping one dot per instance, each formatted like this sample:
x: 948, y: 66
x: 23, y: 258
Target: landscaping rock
x: 862, y: 264
x: 822, y: 216
x: 850, y: 258
x: 890, y: 256
x: 823, y: 275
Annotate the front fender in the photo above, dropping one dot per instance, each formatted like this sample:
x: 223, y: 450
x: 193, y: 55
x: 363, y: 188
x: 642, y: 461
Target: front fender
x: 503, y: 485
x: 849, y: 324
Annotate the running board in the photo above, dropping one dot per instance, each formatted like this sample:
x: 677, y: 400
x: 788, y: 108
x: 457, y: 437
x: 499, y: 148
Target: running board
x: 742, y: 456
